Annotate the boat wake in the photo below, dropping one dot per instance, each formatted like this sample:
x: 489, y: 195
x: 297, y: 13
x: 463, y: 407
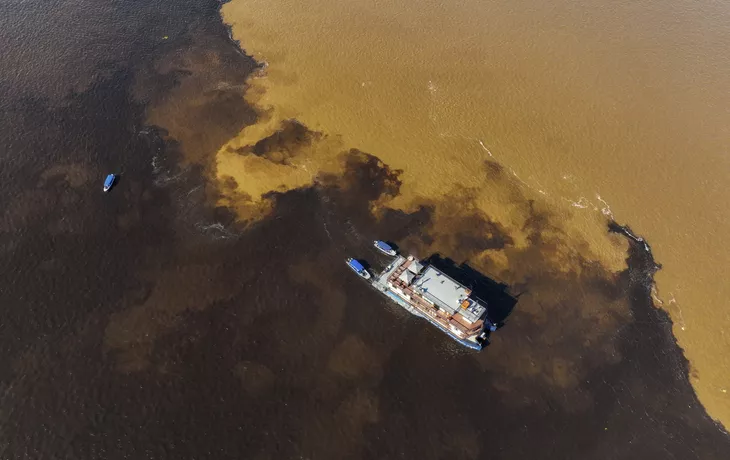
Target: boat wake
x: 216, y: 231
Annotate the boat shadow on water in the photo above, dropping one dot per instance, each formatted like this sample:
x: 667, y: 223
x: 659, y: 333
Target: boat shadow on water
x: 393, y: 245
x: 365, y: 264
x: 497, y: 296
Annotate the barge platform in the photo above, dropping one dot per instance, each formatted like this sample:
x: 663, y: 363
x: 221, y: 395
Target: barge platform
x: 427, y: 292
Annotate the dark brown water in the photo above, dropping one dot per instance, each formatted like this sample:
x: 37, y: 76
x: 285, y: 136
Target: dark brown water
x: 146, y: 323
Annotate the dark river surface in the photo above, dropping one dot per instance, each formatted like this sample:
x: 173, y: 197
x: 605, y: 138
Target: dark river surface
x: 148, y: 324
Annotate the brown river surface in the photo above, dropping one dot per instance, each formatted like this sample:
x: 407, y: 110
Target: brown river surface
x: 616, y: 108
x: 202, y: 309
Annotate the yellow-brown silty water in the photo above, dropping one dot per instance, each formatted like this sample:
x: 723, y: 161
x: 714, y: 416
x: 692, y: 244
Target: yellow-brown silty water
x: 597, y: 110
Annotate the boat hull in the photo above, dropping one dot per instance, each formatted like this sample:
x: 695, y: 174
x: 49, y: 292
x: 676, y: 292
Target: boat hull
x: 384, y: 248
x: 109, y: 182
x: 358, y: 269
x: 474, y: 345
x: 382, y: 282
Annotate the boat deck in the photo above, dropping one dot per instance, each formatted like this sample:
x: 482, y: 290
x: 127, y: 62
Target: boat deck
x: 381, y: 281
x: 416, y: 305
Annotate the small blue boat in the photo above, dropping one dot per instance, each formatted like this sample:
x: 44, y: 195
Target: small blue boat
x: 109, y: 182
x: 385, y: 248
x: 358, y: 268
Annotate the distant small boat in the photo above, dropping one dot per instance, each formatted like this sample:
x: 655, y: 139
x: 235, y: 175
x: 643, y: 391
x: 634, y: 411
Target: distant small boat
x: 109, y: 181
x: 358, y: 268
x: 385, y: 248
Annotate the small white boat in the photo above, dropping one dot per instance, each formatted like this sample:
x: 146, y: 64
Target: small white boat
x: 358, y: 268
x: 385, y: 248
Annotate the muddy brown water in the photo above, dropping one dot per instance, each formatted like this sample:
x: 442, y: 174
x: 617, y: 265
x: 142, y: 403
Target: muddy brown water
x: 599, y: 108
x: 149, y: 323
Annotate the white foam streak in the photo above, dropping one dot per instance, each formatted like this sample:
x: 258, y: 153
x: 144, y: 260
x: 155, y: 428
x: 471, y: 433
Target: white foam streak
x: 216, y: 231
x: 485, y: 148
x: 670, y: 304
x: 606, y: 210
x: 582, y: 203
